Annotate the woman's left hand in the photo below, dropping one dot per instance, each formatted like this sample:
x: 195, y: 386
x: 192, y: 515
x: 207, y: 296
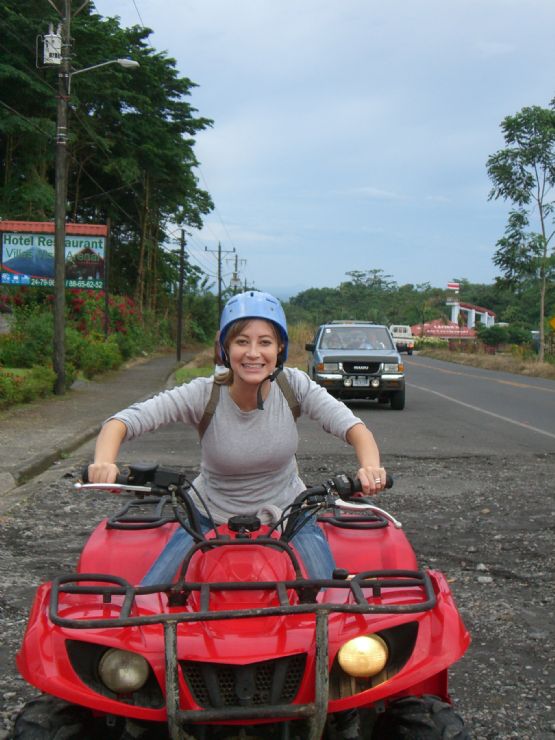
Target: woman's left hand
x: 372, y: 479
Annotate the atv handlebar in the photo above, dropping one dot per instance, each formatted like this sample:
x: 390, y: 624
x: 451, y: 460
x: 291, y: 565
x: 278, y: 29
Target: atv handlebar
x: 341, y: 491
x: 145, y: 478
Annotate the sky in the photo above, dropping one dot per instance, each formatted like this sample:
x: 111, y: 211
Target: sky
x: 351, y: 134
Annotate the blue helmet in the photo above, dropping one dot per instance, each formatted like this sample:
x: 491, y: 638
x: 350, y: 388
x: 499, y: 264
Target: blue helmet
x: 254, y: 305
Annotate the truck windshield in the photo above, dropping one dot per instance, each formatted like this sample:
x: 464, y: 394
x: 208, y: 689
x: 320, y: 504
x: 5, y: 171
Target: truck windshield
x: 355, y: 337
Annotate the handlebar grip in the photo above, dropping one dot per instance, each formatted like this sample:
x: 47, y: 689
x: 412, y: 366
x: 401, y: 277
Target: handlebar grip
x: 122, y: 478
x: 347, y: 486
x: 357, y: 488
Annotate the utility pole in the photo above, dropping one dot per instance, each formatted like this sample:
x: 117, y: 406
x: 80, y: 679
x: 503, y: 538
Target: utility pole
x: 65, y: 73
x: 61, y: 203
x: 180, y: 296
x: 235, y: 282
x: 219, y: 252
x: 106, y: 280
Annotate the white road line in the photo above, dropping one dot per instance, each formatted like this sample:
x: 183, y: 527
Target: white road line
x: 516, y: 384
x: 483, y: 411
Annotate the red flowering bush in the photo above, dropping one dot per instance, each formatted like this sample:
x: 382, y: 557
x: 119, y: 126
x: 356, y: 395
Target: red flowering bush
x: 96, y: 340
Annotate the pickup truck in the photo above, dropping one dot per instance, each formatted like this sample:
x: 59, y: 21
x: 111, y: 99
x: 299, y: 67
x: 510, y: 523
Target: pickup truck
x: 357, y: 359
x: 402, y: 336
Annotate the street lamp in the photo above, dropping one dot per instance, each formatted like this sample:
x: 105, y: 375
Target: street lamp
x: 64, y: 89
x: 126, y: 63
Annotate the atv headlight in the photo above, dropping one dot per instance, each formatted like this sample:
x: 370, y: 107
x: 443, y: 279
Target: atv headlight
x: 364, y: 656
x: 123, y: 672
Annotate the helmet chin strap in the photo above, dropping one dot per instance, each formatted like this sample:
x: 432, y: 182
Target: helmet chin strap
x: 271, y: 378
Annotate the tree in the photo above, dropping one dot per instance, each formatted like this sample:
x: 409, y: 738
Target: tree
x: 131, y: 140
x: 524, y: 173
x: 27, y: 114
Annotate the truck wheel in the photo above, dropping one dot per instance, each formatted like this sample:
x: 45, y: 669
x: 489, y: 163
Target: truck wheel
x: 49, y: 718
x: 409, y: 351
x: 398, y: 400
x: 419, y: 718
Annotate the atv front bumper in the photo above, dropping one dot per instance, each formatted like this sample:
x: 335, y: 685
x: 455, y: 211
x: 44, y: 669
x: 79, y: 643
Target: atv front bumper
x: 114, y: 608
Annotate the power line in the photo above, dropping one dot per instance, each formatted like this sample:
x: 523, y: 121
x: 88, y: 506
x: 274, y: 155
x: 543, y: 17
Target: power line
x: 215, y: 208
x: 219, y: 252
x: 27, y: 119
x: 138, y: 13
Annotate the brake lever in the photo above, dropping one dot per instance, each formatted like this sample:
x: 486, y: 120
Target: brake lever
x: 349, y: 506
x: 114, y: 487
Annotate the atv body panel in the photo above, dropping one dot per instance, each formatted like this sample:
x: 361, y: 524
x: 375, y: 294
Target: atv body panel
x: 244, y: 636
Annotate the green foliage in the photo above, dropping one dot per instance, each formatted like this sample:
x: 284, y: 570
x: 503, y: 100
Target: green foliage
x: 518, y: 335
x: 423, y: 343
x: 87, y: 351
x: 185, y: 374
x: 20, y: 386
x: 201, y: 317
x: 30, y: 340
x: 493, y: 336
x: 99, y: 355
x: 523, y: 173
x: 131, y: 140
x: 415, y: 304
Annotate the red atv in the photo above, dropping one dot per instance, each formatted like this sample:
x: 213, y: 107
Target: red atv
x: 242, y: 644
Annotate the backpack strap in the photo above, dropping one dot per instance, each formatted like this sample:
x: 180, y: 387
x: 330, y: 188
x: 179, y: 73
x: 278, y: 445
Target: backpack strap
x: 209, y: 409
x: 284, y: 386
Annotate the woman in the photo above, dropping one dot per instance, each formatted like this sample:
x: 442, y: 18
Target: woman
x: 248, y: 445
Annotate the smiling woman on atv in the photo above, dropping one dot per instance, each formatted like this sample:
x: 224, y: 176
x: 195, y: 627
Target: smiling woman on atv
x: 248, y: 433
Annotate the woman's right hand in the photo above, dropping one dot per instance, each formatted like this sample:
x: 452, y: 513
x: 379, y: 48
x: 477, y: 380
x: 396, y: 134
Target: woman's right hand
x: 103, y: 472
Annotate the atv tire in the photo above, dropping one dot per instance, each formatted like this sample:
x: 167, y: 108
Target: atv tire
x: 419, y: 718
x: 49, y: 718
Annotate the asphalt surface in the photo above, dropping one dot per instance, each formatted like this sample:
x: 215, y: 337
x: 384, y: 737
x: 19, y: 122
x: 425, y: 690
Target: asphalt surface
x: 34, y: 436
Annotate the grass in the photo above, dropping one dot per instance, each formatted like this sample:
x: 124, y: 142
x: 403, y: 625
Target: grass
x: 500, y: 362
x: 187, y: 373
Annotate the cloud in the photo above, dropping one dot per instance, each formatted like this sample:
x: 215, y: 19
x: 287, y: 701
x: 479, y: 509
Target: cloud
x: 438, y: 199
x: 374, y: 193
x: 354, y: 134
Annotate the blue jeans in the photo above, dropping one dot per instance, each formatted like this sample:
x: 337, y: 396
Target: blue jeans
x: 310, y: 543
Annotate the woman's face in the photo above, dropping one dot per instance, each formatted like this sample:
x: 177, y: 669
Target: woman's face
x: 253, y: 351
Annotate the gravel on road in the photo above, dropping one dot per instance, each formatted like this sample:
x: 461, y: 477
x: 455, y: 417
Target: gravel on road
x: 486, y: 522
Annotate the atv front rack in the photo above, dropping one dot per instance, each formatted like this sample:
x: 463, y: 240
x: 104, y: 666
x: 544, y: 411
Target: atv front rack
x: 356, y: 602
x: 306, y: 589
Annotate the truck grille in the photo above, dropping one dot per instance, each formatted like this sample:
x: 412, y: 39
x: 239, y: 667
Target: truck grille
x: 361, y: 368
x: 214, y: 685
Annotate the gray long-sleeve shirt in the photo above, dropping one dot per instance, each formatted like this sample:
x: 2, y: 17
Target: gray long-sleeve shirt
x: 248, y: 460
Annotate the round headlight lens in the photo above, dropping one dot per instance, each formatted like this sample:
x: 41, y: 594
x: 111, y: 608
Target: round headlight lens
x: 364, y: 656
x: 122, y: 671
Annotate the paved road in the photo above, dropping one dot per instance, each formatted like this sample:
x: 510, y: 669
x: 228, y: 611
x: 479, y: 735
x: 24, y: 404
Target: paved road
x: 452, y: 410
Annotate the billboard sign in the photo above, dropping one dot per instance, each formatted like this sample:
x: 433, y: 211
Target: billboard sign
x: 27, y: 257
x: 438, y: 328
